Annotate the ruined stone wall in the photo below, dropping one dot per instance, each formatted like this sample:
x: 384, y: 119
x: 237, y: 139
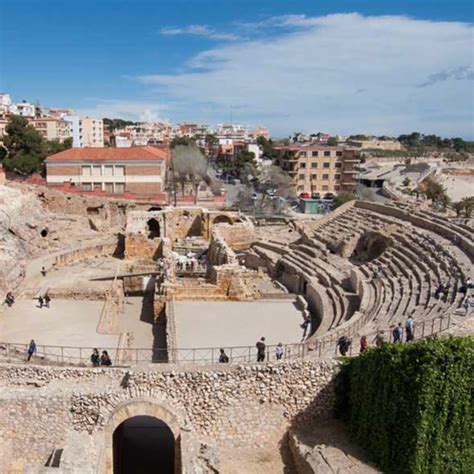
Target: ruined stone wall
x: 239, y: 236
x: 140, y: 247
x: 44, y: 408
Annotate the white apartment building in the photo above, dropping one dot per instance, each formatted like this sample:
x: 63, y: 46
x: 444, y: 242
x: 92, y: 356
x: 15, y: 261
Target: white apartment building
x: 5, y: 103
x: 25, y: 109
x: 86, y: 132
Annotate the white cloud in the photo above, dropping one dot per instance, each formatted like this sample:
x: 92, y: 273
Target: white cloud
x: 342, y: 73
x: 144, y: 111
x: 198, y: 30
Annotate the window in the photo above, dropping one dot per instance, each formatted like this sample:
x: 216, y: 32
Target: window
x: 325, y: 176
x: 337, y: 176
x: 314, y: 187
x: 119, y: 188
x: 337, y: 188
x: 303, y: 154
x: 109, y: 188
x: 87, y: 186
x: 86, y: 171
x: 326, y: 165
x: 338, y: 164
x: 314, y: 176
x: 302, y: 165
x: 325, y: 187
x: 314, y: 153
x: 109, y: 170
x: 300, y: 188
x: 96, y: 170
x: 327, y: 153
x: 120, y: 171
x: 97, y: 186
x: 314, y: 165
x: 301, y: 176
x: 338, y: 153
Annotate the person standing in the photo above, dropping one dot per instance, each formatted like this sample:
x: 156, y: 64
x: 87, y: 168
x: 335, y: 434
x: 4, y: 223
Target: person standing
x: 95, y: 358
x: 468, y: 304
x: 398, y: 333
x: 364, y: 345
x: 261, y: 350
x: 344, y: 343
x: 47, y: 300
x: 40, y: 301
x: 378, y: 339
x: 410, y: 329
x: 31, y: 349
x: 279, y: 351
x: 43, y: 271
x: 223, y: 357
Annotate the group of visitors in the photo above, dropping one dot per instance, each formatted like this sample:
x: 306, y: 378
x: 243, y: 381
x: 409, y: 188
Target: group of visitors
x: 344, y: 343
x: 442, y: 289
x: 103, y: 359
x: 261, y: 352
x: 9, y: 299
x: 44, y: 301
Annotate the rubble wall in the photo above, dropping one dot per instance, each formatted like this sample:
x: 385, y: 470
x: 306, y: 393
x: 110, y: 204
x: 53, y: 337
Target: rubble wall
x: 45, y: 408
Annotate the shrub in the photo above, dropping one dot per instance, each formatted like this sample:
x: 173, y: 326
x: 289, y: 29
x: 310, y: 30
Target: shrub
x: 411, y: 406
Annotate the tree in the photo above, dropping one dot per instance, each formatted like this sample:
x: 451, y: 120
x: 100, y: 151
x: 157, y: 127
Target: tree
x: 458, y: 207
x: 189, y: 164
x: 273, y: 177
x: 117, y: 123
x: 332, y: 141
x: 341, y: 199
x: 245, y: 163
x: 186, y: 141
x: 268, y: 151
x: 468, y: 204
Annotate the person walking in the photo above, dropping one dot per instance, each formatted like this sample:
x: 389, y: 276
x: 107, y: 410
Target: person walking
x: 43, y: 271
x: 397, y: 333
x: 223, y: 357
x: 31, y: 349
x: 378, y: 339
x: 261, y: 350
x: 47, y: 300
x: 364, y: 345
x: 40, y: 301
x: 279, y: 351
x: 343, y: 343
x: 468, y: 304
x: 410, y: 329
x: 95, y: 358
x: 105, y: 359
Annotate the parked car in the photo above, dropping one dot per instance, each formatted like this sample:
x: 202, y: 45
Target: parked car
x: 254, y: 196
x: 329, y: 196
x: 271, y: 193
x: 304, y: 195
x: 315, y: 196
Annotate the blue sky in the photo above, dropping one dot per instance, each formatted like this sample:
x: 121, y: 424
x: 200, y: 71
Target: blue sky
x: 340, y: 66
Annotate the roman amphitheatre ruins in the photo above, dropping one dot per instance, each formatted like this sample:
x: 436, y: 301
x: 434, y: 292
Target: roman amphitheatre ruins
x: 163, y: 289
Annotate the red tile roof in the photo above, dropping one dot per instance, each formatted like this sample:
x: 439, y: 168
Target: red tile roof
x: 138, y: 153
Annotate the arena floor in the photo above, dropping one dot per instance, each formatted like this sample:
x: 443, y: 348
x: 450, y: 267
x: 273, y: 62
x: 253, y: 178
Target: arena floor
x: 233, y: 323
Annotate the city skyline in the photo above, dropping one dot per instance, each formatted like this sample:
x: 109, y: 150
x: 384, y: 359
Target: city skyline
x: 354, y: 68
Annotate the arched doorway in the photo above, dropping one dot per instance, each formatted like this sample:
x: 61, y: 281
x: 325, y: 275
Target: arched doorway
x: 143, y: 445
x: 142, y: 407
x: 222, y: 219
x: 153, y: 228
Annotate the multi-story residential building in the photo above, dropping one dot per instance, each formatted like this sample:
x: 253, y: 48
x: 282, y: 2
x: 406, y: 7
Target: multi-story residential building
x: 51, y: 128
x: 25, y: 109
x: 320, y: 168
x: 85, y: 131
x: 136, y: 170
x: 5, y: 103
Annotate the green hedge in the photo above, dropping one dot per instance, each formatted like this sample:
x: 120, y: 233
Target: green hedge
x: 410, y: 406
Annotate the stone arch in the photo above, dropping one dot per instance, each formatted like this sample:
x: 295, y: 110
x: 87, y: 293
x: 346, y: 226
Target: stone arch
x: 222, y: 219
x: 135, y: 408
x: 154, y: 229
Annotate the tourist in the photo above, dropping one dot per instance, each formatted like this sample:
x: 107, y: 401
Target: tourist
x: 446, y: 291
x: 279, y: 351
x: 43, y: 271
x: 31, y: 349
x: 105, y: 359
x: 305, y: 325
x: 378, y: 339
x: 398, y: 333
x: 40, y: 301
x: 95, y: 358
x: 469, y: 283
x: 261, y: 350
x: 47, y: 300
x: 344, y: 343
x: 223, y: 357
x: 468, y: 304
x: 410, y: 329
x: 364, y: 345
x: 439, y: 290
x: 9, y: 299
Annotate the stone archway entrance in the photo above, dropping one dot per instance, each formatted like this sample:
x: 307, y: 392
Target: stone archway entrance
x: 136, y: 426
x: 143, y: 445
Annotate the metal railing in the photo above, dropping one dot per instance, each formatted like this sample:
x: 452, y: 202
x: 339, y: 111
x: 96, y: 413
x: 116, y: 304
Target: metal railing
x: 125, y: 357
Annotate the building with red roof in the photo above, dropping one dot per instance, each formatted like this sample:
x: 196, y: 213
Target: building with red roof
x: 135, y: 170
